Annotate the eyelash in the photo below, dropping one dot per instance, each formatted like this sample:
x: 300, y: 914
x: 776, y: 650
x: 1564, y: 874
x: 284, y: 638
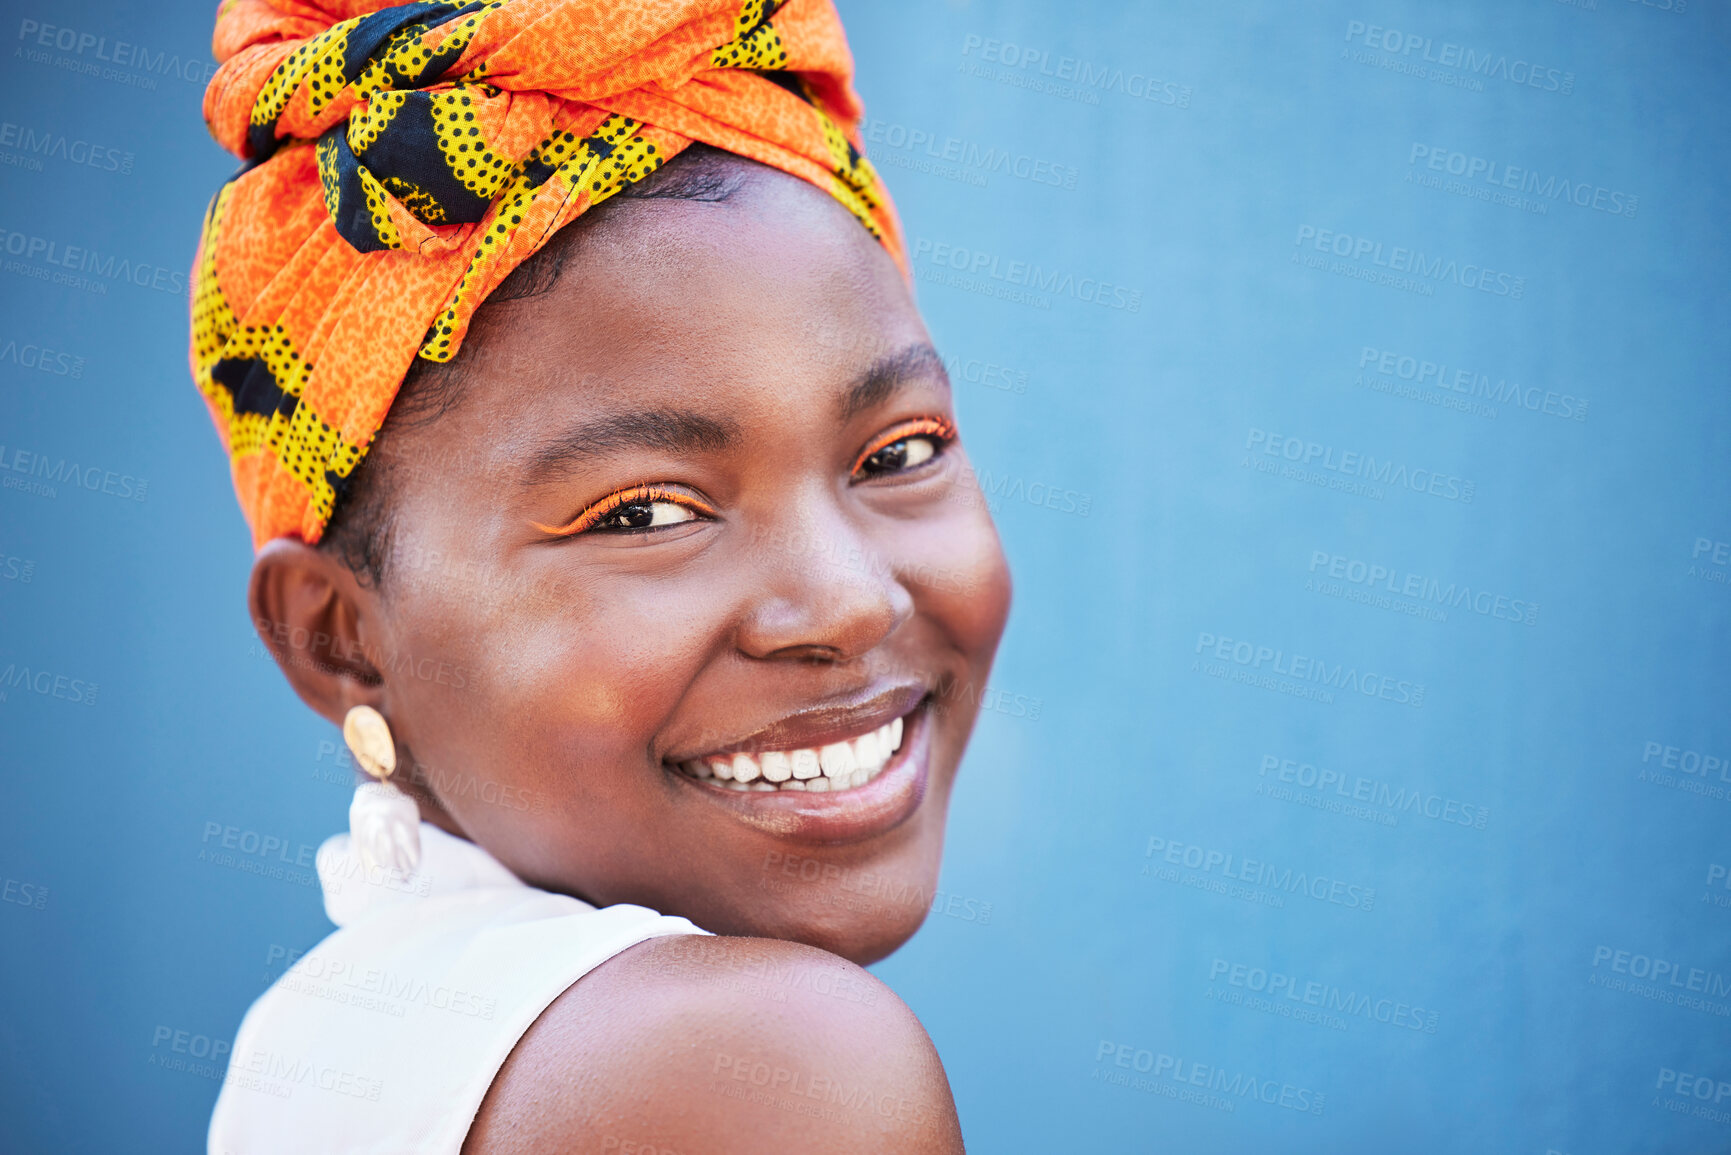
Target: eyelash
x: 936, y: 429
x: 637, y: 494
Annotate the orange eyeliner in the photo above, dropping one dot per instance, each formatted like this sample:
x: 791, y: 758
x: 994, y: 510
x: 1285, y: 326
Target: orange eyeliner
x: 935, y: 426
x: 637, y: 493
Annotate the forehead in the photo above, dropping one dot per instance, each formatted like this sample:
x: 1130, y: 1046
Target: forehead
x: 771, y: 298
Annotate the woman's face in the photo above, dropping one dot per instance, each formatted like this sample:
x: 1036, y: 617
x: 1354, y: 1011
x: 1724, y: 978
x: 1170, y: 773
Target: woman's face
x: 698, y: 510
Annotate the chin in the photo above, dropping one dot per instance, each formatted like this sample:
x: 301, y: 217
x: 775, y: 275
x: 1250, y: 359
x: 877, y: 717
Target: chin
x: 869, y: 911
x: 863, y: 940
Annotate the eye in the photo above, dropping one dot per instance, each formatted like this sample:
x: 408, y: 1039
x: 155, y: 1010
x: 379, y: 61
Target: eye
x: 904, y: 447
x: 645, y: 515
x: 642, y: 507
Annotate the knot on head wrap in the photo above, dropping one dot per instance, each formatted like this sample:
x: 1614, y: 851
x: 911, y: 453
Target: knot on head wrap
x: 402, y: 161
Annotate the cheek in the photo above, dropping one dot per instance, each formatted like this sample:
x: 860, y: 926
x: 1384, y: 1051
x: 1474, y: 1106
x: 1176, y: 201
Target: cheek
x: 956, y: 568
x: 595, y: 671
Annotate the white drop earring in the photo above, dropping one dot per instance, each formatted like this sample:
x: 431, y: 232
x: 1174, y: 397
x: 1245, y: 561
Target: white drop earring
x: 384, y: 823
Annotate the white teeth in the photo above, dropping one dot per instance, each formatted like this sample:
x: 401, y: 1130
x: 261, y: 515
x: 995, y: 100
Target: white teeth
x: 837, y: 766
x: 777, y: 766
x: 838, y: 760
x: 805, y: 764
x: 874, y: 749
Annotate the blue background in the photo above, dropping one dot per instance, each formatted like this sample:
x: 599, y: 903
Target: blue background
x: 1079, y: 973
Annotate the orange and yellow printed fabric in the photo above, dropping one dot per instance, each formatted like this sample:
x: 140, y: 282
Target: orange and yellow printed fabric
x: 401, y: 161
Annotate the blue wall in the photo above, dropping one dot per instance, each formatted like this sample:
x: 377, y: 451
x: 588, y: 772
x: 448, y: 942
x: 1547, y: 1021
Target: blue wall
x: 1350, y: 384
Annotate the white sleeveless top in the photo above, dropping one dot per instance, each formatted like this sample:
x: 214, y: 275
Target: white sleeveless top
x: 385, y: 1037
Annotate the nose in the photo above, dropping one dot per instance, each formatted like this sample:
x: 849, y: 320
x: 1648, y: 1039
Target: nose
x: 823, y: 593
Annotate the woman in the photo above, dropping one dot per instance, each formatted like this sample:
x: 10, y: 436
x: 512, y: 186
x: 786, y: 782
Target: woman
x: 652, y: 591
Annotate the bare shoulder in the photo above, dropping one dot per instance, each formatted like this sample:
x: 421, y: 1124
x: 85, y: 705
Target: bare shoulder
x: 700, y: 1044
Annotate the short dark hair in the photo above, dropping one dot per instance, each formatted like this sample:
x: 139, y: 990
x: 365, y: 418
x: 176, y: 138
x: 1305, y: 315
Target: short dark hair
x: 358, y: 532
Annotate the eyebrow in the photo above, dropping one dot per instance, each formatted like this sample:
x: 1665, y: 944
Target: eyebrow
x: 685, y: 431
x: 668, y: 430
x: 888, y: 373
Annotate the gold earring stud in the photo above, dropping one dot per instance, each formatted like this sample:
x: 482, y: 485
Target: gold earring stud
x: 384, y: 823
x: 369, y: 739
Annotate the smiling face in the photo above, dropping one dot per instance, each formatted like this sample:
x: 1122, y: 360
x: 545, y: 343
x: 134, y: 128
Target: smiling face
x: 708, y: 589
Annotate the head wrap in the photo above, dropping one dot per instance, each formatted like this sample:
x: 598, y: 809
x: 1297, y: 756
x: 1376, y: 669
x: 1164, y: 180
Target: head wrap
x: 401, y: 161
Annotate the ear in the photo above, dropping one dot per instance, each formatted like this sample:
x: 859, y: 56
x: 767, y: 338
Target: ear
x: 317, y: 619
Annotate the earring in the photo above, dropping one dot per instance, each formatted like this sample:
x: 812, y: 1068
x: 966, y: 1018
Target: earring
x: 384, y: 823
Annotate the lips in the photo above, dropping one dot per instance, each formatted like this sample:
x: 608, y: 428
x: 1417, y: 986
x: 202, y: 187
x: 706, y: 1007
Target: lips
x: 871, y: 773
x: 814, y: 727
x: 834, y: 766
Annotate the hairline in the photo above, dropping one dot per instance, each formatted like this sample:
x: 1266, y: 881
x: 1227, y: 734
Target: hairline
x: 359, y: 532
